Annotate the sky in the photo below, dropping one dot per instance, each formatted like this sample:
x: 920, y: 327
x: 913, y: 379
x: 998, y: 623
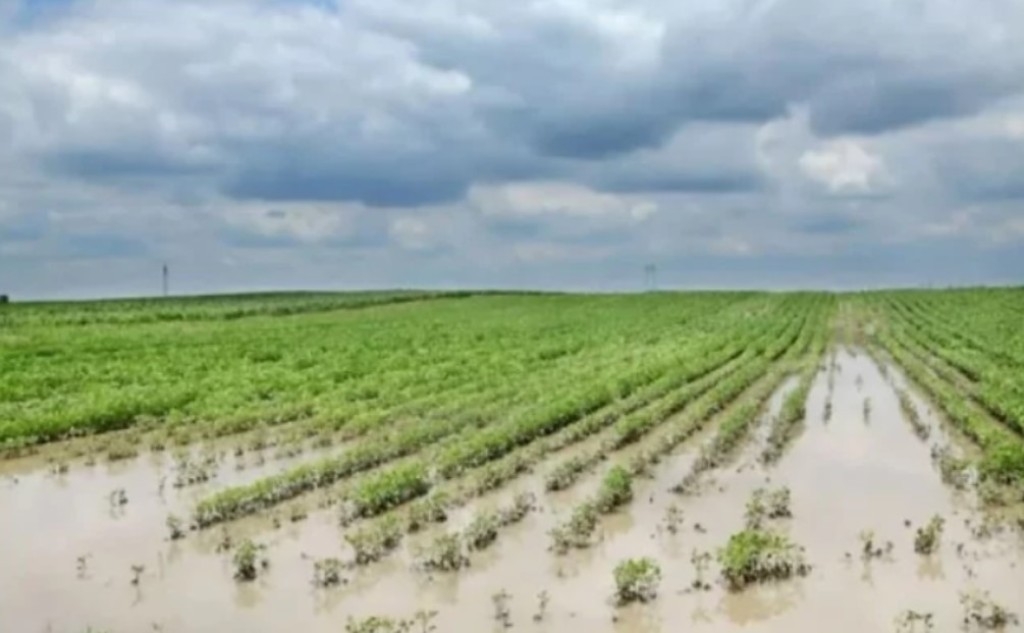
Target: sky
x: 555, y: 144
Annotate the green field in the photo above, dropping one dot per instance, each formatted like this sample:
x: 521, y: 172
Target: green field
x: 396, y: 410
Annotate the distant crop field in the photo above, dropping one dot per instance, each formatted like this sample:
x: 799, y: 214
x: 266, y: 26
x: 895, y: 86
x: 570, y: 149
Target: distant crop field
x: 407, y: 461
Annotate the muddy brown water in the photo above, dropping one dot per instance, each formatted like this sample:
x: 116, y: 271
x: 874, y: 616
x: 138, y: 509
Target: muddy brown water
x: 848, y: 474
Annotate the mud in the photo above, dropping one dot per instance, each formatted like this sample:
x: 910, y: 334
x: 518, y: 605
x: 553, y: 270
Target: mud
x: 848, y: 474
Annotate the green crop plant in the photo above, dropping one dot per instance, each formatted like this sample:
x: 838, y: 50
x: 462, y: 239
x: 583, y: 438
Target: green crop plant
x: 421, y: 622
x: 248, y: 560
x: 576, y: 532
x: 372, y: 542
x: 616, y: 490
x: 482, y: 530
x: 636, y: 580
x: 791, y: 417
x: 389, y: 489
x: 765, y: 504
x: 446, y: 553
x: 431, y: 509
x: 755, y: 555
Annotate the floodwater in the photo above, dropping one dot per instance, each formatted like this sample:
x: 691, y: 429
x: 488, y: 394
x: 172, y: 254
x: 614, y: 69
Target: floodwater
x: 861, y: 469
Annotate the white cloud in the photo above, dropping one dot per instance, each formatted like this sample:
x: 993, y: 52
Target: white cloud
x: 844, y: 166
x: 537, y: 199
x: 411, y: 232
x: 957, y: 223
x: 1014, y: 126
x: 473, y: 137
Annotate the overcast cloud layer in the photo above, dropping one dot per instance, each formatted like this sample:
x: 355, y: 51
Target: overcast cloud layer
x: 543, y: 144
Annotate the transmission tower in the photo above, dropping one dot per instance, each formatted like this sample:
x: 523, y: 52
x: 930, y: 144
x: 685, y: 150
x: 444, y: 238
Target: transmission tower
x: 166, y: 275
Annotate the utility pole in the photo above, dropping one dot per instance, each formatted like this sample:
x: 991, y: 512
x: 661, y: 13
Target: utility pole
x: 166, y: 274
x: 650, y: 277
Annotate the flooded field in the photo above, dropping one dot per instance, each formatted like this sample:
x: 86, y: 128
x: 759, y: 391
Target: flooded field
x: 86, y: 556
x: 629, y: 464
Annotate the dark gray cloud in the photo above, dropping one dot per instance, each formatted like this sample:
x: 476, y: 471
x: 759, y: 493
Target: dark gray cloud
x: 516, y: 140
x: 826, y: 225
x: 23, y: 227
x: 101, y: 246
x: 984, y: 170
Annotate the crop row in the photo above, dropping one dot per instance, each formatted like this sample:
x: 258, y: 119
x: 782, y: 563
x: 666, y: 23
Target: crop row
x: 333, y: 367
x: 384, y: 492
x: 203, y: 308
x: 789, y: 421
x: 467, y: 450
x: 994, y: 383
x: 635, y: 426
x: 735, y: 427
x: 753, y: 384
x: 1003, y: 452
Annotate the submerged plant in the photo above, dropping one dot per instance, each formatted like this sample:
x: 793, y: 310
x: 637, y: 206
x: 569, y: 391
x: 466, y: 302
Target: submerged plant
x: 432, y: 509
x: 954, y: 470
x: 701, y: 561
x: 225, y: 542
x: 927, y: 538
x: 755, y: 555
x: 869, y: 549
x: 636, y: 580
x: 373, y: 542
x: 377, y: 624
x: 522, y: 504
x: 673, y: 519
x: 176, y: 527
x: 328, y: 572
x: 576, y: 532
x: 911, y: 621
x: 247, y: 560
x: 482, y: 531
x: 768, y: 504
x: 118, y: 497
x: 421, y: 622
x: 121, y: 450
x: 542, y: 605
x: 445, y: 553
x: 502, y: 612
x: 921, y: 430
x: 981, y: 612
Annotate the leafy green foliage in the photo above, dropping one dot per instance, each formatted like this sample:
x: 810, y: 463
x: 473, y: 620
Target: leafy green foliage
x: 755, y: 555
x: 445, y: 553
x: 371, y: 543
x: 577, y: 531
x: 636, y: 580
x: 616, y: 490
x: 248, y: 560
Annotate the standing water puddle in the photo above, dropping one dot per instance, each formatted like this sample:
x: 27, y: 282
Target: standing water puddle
x: 862, y: 469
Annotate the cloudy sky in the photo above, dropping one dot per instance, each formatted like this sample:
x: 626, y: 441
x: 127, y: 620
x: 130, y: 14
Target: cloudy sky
x: 256, y: 144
